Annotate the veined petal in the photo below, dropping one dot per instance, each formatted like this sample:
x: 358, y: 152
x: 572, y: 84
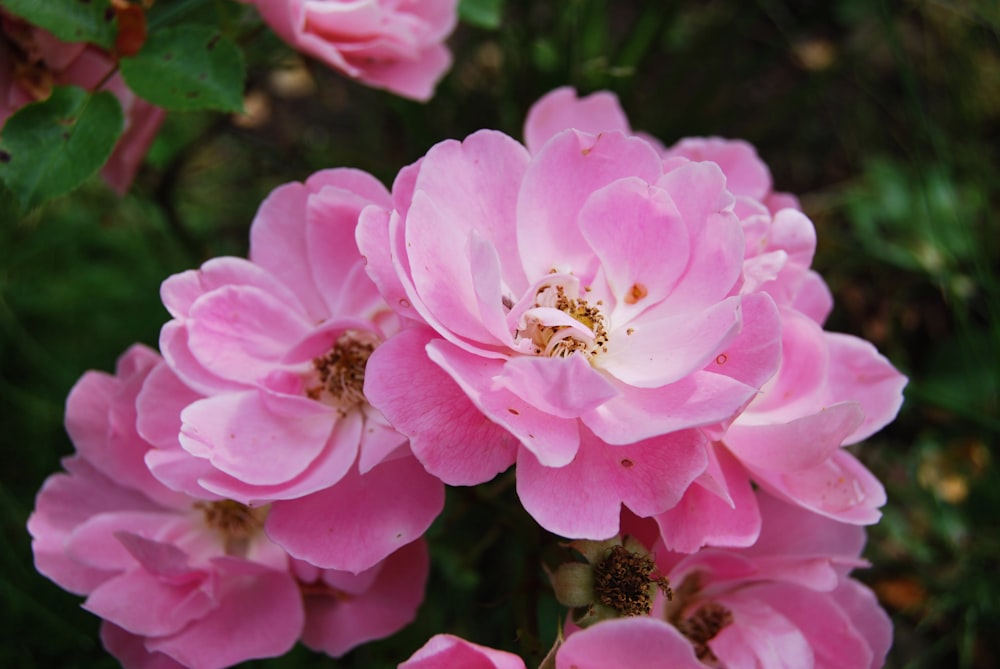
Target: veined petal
x: 565, y: 387
x: 557, y: 184
x: 243, y: 438
x: 654, y: 353
x: 552, y: 439
x: 448, y: 434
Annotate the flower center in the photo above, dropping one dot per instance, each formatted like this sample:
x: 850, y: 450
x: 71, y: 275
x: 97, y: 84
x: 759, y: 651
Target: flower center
x: 553, y: 336
x: 702, y: 626
x: 341, y: 372
x: 237, y: 524
x: 622, y: 581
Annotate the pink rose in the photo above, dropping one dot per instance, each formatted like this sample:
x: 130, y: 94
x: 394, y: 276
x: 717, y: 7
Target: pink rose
x: 188, y: 582
x: 392, y: 44
x: 572, y: 307
x: 32, y: 61
x: 830, y: 390
x: 261, y: 400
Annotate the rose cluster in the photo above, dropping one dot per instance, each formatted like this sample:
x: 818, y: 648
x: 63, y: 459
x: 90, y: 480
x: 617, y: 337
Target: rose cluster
x: 635, y: 329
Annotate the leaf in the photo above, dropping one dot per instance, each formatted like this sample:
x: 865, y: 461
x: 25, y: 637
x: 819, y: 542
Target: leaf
x: 69, y: 20
x: 187, y: 68
x: 481, y: 13
x: 49, y: 148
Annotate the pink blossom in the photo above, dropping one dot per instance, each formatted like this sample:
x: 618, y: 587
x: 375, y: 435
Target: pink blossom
x: 187, y: 582
x: 591, y: 349
x: 616, y: 644
x: 786, y: 601
x: 831, y: 390
x: 261, y: 400
x: 392, y: 44
x: 445, y: 651
x: 32, y: 61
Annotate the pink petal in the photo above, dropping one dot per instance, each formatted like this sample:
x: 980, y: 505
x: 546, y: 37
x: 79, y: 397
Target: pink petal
x: 859, y: 373
x: 868, y: 618
x: 448, y: 434
x: 243, y: 438
x: 699, y: 399
x: 648, y: 247
x: 554, y: 440
x: 278, y: 243
x: 759, y: 636
x: 445, y: 651
x: 830, y: 632
x: 627, y: 643
x: 839, y: 488
x: 754, y: 355
x: 130, y: 650
x: 583, y: 499
x: 255, y: 617
x: 176, y: 349
x: 654, y: 353
x: 703, y: 518
x: 564, y: 387
x: 372, y: 237
x: 358, y: 522
x: 796, y: 445
x: 180, y: 291
x: 336, y: 624
x: 570, y: 167
x: 560, y: 109
x: 141, y: 603
x: 240, y: 333
x: 746, y: 174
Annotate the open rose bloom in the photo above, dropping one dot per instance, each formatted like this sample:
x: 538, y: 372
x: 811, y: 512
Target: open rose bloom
x: 632, y: 331
x: 32, y: 61
x: 188, y: 582
x: 392, y: 44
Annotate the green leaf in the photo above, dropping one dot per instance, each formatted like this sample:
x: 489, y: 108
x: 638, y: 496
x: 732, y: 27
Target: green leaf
x: 481, y: 13
x: 70, y: 20
x: 187, y: 68
x: 49, y: 148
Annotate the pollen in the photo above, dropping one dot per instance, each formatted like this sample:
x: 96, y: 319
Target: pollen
x: 340, y: 374
x: 636, y: 293
x: 560, y: 340
x: 623, y: 579
x: 703, y: 625
x: 236, y: 524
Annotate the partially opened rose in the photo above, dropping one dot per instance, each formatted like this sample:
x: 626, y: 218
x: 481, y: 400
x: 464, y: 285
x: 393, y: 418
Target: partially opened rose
x: 392, y: 44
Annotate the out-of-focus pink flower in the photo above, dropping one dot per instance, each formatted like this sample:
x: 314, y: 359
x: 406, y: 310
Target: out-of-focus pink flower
x: 445, y: 651
x: 32, y: 61
x: 187, y: 582
x: 625, y: 643
x: 579, y: 299
x: 261, y: 400
x: 392, y: 44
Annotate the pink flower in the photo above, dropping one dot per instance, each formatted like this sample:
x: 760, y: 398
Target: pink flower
x: 616, y: 644
x: 186, y: 582
x: 445, y: 651
x: 261, y: 400
x: 573, y: 306
x: 786, y: 601
x: 392, y: 44
x: 831, y: 390
x: 32, y: 61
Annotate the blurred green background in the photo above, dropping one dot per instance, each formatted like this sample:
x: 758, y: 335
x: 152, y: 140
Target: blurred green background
x: 883, y: 116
